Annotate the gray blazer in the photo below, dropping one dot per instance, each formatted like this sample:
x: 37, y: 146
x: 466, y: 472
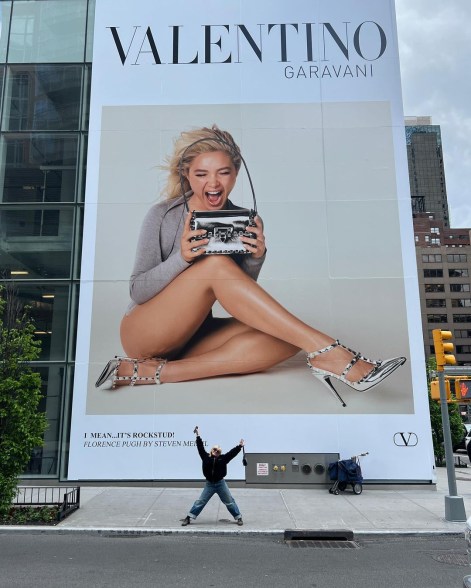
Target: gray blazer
x: 158, y: 258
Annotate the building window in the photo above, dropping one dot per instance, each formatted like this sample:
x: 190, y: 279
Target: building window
x: 435, y: 230
x: 459, y: 288
x: 435, y: 241
x: 463, y: 349
x: 48, y: 32
x: 458, y: 273
x: 461, y: 302
x: 438, y: 318
x: 433, y: 273
x: 434, y: 288
x: 461, y: 318
x: 416, y: 237
x: 4, y: 25
x: 38, y: 239
x: 427, y: 238
x: 43, y: 97
x: 39, y: 167
x: 48, y: 302
x: 435, y: 303
x: 457, y: 258
x: 462, y: 334
x: 432, y: 258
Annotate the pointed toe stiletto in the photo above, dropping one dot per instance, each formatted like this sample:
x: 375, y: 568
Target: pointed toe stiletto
x: 109, y: 376
x: 381, y: 370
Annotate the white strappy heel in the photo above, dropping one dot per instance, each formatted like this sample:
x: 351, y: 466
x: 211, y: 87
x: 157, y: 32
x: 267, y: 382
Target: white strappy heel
x: 381, y: 369
x: 109, y: 376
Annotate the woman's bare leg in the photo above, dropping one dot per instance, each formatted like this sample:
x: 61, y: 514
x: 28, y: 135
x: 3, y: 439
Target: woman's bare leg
x: 246, y: 353
x: 233, y: 348
x: 225, y: 347
x: 165, y: 323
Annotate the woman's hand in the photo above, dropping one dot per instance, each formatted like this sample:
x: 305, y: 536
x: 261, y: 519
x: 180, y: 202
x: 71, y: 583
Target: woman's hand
x: 256, y: 245
x: 187, y: 245
x: 241, y: 442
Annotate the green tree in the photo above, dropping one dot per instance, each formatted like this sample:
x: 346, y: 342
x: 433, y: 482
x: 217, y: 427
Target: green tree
x: 21, y: 425
x: 456, y: 422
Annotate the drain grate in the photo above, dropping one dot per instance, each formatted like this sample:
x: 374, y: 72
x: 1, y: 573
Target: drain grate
x: 321, y: 544
x: 454, y: 558
x: 320, y: 538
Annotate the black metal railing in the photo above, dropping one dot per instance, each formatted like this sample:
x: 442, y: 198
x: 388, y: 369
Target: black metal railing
x: 65, y: 498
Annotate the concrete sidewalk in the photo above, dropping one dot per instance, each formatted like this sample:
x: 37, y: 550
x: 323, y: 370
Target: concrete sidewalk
x: 395, y: 510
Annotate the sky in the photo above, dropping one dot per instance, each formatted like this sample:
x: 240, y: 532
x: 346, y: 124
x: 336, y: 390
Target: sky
x: 435, y: 54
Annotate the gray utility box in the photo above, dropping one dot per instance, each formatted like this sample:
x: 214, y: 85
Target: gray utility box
x: 288, y: 468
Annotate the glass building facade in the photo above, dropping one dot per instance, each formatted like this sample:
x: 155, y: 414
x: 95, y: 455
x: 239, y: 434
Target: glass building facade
x: 45, y: 70
x: 426, y: 169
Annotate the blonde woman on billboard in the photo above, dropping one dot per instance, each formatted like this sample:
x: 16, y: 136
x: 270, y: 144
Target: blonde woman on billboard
x: 174, y: 286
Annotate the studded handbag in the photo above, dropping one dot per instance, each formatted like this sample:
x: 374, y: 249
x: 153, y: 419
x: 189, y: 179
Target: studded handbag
x: 224, y: 229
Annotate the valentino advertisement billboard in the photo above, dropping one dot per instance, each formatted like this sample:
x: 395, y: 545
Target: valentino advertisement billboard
x: 293, y: 110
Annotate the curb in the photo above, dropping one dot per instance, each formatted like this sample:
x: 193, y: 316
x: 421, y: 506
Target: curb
x: 275, y: 533
x: 136, y: 532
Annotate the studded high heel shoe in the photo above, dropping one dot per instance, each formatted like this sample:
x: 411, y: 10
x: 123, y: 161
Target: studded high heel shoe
x: 109, y: 376
x: 381, y: 369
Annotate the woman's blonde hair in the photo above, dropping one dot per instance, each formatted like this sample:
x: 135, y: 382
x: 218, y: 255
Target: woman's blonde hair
x: 216, y: 448
x: 209, y: 139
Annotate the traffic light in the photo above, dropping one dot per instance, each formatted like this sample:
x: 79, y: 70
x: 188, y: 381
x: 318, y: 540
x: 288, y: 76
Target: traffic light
x: 463, y: 389
x: 442, y: 349
x: 435, y: 390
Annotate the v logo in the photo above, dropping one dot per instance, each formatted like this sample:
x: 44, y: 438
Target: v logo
x: 405, y: 439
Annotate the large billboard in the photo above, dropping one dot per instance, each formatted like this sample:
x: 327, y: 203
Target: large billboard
x: 310, y: 93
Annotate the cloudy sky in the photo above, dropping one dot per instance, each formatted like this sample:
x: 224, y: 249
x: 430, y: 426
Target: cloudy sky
x: 435, y: 53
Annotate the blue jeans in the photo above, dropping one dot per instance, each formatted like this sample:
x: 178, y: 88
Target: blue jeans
x: 222, y: 490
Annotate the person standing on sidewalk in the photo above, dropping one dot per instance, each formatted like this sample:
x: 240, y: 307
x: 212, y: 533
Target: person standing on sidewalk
x: 214, y: 470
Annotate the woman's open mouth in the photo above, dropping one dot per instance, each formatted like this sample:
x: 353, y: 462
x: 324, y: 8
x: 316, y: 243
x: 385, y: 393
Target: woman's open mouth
x: 214, y: 197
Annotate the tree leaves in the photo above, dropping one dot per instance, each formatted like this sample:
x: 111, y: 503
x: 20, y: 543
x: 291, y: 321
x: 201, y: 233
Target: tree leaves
x: 21, y: 425
x: 456, y: 422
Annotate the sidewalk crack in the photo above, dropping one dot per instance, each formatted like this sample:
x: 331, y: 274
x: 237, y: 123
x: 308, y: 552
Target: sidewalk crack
x: 289, y: 512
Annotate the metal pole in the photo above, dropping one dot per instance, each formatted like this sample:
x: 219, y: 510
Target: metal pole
x: 450, y: 466
x: 454, y: 505
x: 457, y: 370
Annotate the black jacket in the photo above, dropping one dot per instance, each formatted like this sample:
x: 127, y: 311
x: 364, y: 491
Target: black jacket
x: 215, y: 468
